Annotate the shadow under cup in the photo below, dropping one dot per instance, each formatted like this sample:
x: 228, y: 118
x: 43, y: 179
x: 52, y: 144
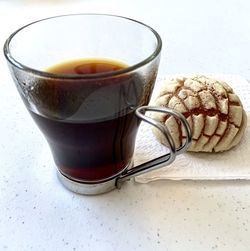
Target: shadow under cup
x: 88, y: 120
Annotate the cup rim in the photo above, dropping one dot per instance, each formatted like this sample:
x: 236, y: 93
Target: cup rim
x: 128, y: 69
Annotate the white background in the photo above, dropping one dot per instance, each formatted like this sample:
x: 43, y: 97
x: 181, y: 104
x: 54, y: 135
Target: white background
x: 37, y: 213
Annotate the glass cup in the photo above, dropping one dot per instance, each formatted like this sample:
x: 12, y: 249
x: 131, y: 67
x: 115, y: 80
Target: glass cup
x: 90, y: 121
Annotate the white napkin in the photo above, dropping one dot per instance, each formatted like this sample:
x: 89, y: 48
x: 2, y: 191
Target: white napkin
x: 232, y: 164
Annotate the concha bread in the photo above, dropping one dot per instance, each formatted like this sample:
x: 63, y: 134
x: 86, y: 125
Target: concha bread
x: 213, y: 111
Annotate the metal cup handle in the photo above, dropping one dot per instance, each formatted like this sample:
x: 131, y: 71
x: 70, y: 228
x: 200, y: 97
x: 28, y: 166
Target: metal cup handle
x: 173, y: 152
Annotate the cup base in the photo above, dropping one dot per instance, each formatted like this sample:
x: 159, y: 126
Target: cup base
x: 92, y: 188
x: 87, y: 188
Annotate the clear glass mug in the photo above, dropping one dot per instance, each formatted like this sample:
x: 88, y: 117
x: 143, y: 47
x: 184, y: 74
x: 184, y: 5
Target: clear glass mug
x: 90, y: 121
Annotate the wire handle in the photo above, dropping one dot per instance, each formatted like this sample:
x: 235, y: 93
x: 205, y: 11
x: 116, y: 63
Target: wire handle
x: 173, y: 152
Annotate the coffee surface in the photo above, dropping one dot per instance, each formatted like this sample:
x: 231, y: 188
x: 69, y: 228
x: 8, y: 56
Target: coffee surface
x: 87, y: 66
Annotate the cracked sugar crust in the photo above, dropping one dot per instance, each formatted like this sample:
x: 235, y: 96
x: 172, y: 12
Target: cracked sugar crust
x: 212, y: 109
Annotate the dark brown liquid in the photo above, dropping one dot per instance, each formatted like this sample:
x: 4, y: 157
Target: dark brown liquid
x: 90, y: 124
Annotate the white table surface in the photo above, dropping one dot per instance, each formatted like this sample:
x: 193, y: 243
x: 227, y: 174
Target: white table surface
x: 37, y: 213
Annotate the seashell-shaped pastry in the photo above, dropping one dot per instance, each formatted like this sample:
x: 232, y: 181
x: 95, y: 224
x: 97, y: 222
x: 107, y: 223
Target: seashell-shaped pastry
x: 213, y: 111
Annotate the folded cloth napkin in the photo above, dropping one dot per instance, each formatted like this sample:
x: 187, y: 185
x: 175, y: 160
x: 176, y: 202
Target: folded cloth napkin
x: 232, y: 164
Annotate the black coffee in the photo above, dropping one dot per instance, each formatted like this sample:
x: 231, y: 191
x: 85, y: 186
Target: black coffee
x: 90, y: 124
